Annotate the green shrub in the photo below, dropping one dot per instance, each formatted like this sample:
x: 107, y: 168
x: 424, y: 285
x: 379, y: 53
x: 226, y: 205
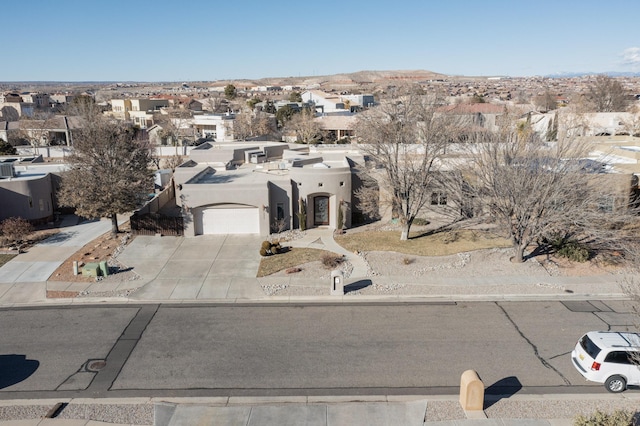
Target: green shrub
x: 263, y: 252
x: 599, y: 418
x: 574, y: 251
x: 266, y: 245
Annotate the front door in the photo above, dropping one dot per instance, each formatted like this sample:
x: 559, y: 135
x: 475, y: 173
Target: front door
x: 321, y: 211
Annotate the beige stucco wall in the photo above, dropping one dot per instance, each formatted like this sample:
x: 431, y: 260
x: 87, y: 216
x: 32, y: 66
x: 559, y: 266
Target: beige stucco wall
x: 197, y: 197
x: 334, y: 182
x: 31, y: 199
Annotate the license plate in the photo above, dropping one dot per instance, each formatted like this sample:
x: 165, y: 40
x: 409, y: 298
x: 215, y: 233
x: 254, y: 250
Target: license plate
x: 581, y: 357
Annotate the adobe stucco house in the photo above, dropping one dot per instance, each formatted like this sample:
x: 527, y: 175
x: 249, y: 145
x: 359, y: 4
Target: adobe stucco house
x: 256, y: 188
x: 28, y: 187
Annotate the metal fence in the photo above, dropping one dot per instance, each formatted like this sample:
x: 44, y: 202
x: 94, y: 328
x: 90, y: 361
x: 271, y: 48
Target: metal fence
x: 152, y: 224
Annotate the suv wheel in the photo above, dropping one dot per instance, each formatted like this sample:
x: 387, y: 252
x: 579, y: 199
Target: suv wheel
x: 615, y: 384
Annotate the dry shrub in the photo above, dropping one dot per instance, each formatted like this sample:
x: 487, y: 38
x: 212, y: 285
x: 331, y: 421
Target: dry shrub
x: 599, y: 418
x: 331, y: 261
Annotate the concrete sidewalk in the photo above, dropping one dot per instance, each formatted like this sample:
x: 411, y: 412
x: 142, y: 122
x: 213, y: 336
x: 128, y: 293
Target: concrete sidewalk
x: 388, y: 410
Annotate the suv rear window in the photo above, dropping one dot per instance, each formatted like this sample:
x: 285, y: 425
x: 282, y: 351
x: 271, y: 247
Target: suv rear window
x: 591, y: 348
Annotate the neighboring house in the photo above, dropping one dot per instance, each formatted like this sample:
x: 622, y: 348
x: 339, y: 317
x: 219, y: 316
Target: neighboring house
x: 324, y: 102
x: 258, y: 188
x: 358, y: 101
x: 12, y: 111
x: 218, y: 127
x: 141, y: 108
x: 337, y: 127
x: 56, y: 130
x: 39, y: 100
x: 61, y: 98
x: 195, y: 105
x: 598, y: 123
x: 477, y: 115
x: 27, y: 188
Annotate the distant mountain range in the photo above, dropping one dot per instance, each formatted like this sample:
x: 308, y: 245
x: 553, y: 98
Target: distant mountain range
x: 359, y: 78
x: 582, y: 74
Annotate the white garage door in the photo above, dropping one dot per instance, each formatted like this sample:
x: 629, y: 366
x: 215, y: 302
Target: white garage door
x: 231, y: 221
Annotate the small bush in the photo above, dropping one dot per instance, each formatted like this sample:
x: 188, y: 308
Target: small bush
x: 331, y: 261
x: 599, y: 418
x: 573, y: 251
x: 267, y: 248
x: 15, y: 230
x: 407, y: 261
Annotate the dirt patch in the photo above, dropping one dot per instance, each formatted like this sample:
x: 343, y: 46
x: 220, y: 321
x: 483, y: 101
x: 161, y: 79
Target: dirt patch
x: 104, y: 248
x: 58, y: 294
x: 34, y: 238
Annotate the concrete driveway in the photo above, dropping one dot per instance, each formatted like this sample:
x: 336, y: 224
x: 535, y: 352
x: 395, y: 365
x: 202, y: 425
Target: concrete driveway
x: 191, y: 268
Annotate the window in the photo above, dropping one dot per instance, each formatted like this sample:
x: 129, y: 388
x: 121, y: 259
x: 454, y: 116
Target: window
x: 280, y: 211
x: 438, y: 199
x: 619, y: 357
x: 591, y: 348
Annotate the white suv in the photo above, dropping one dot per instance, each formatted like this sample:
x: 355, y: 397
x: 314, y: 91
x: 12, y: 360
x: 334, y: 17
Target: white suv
x: 609, y: 357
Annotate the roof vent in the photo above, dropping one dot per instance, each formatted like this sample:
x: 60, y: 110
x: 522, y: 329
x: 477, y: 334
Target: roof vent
x: 7, y: 170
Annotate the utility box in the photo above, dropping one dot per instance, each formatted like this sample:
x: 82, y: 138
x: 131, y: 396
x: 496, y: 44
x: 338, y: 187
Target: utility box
x: 337, y: 283
x: 91, y: 269
x: 104, y: 268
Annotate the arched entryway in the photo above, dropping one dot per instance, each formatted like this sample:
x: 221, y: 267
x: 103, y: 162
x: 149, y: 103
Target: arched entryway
x: 321, y: 210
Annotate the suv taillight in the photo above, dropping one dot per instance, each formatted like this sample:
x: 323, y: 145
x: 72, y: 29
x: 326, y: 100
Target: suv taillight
x: 595, y: 366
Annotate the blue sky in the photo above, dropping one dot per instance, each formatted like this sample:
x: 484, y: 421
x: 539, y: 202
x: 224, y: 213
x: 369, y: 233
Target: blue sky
x: 192, y: 40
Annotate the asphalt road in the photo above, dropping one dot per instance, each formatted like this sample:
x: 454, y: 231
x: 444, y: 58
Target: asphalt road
x: 226, y: 350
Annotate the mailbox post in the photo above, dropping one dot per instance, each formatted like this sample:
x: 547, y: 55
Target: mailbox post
x: 337, y: 283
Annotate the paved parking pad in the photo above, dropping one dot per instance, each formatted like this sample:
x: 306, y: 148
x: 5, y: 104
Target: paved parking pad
x: 202, y: 267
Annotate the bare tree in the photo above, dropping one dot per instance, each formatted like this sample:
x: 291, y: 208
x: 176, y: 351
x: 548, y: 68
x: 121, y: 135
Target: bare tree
x: 546, y: 101
x: 215, y: 104
x: 632, y: 125
x: 305, y: 127
x: 407, y: 137
x: 607, y: 94
x: 248, y: 124
x: 108, y: 171
x: 173, y: 162
x: 176, y: 128
x: 536, y: 191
